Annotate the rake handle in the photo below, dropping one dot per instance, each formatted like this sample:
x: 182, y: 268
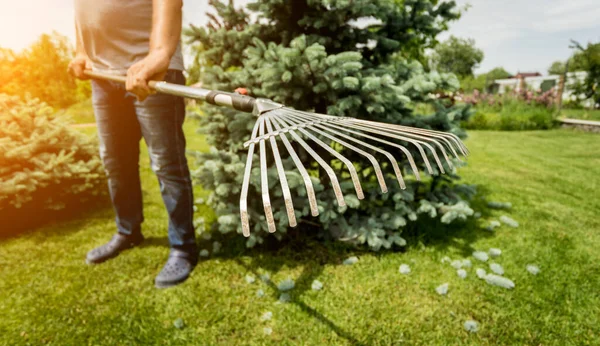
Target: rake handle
x: 219, y: 98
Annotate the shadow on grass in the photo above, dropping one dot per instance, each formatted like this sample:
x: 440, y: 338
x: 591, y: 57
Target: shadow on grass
x: 34, y: 217
x: 17, y: 222
x: 302, y: 248
x: 302, y: 285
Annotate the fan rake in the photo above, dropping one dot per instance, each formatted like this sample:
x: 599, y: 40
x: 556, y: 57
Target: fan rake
x: 277, y: 122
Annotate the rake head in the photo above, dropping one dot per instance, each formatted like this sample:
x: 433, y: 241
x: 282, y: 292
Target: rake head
x: 276, y: 122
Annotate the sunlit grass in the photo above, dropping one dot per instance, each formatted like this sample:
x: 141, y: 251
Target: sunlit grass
x: 48, y: 294
x: 79, y: 113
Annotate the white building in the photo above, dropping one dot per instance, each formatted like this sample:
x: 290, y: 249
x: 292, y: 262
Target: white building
x: 534, y: 82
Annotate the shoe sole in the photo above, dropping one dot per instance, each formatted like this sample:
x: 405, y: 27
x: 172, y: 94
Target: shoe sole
x: 104, y: 259
x: 91, y: 263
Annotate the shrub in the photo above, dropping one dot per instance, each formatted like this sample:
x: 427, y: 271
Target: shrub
x: 39, y: 71
x: 526, y: 110
x: 45, y: 165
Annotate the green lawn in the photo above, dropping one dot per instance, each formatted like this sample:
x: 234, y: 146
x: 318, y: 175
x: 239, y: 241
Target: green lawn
x: 79, y: 113
x: 49, y: 296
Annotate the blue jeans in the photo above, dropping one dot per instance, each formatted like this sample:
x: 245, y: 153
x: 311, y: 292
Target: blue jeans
x: 122, y: 122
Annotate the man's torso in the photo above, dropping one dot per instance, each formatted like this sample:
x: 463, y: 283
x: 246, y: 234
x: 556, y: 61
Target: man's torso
x: 116, y: 33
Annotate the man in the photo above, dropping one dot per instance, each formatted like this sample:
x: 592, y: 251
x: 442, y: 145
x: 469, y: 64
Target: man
x: 139, y: 38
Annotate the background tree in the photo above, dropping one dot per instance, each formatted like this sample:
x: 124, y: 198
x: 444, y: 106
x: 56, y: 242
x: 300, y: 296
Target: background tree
x: 457, y: 55
x: 590, y: 88
x: 557, y: 68
x: 39, y: 72
x: 577, y: 62
x: 311, y: 55
x: 482, y: 82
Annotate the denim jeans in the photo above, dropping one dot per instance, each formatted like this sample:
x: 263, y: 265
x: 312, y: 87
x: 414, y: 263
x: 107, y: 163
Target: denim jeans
x: 122, y: 122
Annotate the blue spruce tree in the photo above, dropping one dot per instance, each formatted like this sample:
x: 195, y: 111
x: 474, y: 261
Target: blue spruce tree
x: 348, y: 58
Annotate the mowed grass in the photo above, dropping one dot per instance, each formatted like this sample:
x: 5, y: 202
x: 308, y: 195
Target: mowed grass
x: 79, y: 113
x: 49, y: 296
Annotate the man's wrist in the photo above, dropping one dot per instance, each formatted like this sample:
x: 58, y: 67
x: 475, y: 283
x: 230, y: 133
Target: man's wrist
x: 160, y: 56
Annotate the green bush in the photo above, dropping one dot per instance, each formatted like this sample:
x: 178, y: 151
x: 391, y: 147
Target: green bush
x: 45, y: 165
x: 39, y: 71
x: 511, y: 115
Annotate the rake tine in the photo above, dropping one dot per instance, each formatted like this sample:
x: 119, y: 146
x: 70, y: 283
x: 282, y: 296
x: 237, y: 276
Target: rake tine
x: 421, y: 151
x: 416, y: 143
x: 287, y: 196
x: 459, y: 144
x: 245, y: 184
x: 371, y: 158
x: 388, y: 133
x: 424, y: 138
x: 420, y: 135
x: 438, y: 134
x: 334, y: 181
x: 310, y: 191
x: 264, y: 182
x: 348, y: 163
x: 390, y: 157
x: 411, y: 161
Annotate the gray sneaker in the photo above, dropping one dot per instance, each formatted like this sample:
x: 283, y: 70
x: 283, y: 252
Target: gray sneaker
x: 113, y: 248
x: 178, y: 268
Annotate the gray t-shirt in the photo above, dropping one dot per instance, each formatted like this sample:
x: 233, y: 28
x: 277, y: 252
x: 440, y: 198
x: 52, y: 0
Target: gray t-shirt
x: 116, y: 33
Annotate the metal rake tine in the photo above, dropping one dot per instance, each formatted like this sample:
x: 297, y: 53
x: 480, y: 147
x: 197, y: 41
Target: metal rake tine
x: 416, y: 143
x: 401, y: 136
x: 409, y: 156
x: 411, y: 161
x: 334, y: 181
x: 350, y: 122
x: 429, y: 137
x: 459, y: 144
x: 287, y: 196
x: 371, y: 158
x: 246, y: 183
x: 264, y: 180
x: 421, y: 151
x: 310, y: 191
x: 329, y: 127
x: 348, y: 163
x: 420, y: 134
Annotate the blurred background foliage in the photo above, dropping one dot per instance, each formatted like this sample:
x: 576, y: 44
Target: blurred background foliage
x: 39, y: 71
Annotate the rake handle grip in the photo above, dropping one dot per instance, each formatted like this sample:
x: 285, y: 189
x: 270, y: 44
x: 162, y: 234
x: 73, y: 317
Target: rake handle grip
x: 219, y: 98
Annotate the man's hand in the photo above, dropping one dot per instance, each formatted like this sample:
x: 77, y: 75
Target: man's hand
x: 153, y: 67
x: 78, y: 65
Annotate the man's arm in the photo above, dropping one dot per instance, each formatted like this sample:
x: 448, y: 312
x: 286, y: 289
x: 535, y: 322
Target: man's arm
x: 80, y: 62
x: 166, y: 31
